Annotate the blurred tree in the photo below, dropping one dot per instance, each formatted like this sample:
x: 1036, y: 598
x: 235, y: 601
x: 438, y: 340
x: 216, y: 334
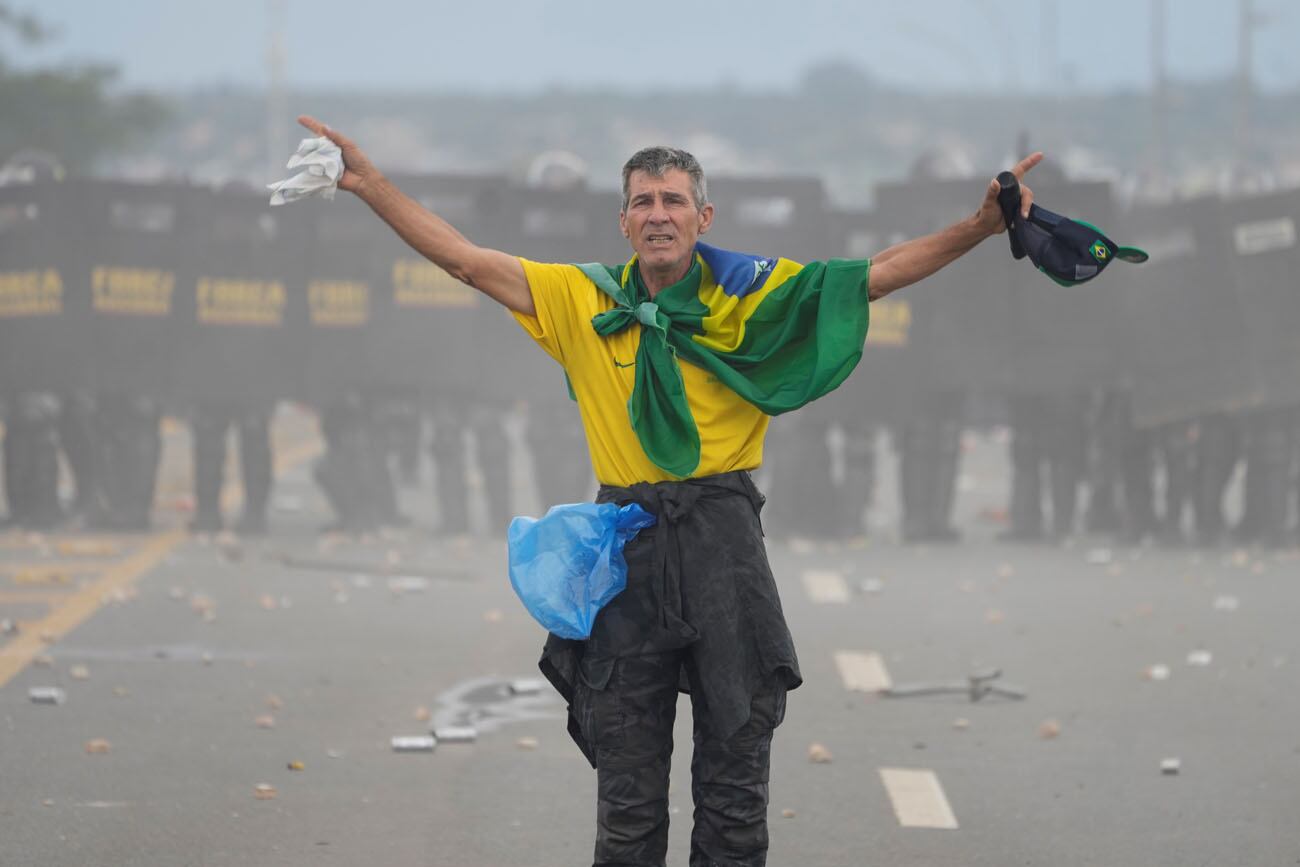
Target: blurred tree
x: 70, y: 112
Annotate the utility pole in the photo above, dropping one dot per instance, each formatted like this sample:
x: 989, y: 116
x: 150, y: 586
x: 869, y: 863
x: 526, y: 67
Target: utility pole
x: 1247, y: 21
x: 276, y: 102
x: 1157, y: 176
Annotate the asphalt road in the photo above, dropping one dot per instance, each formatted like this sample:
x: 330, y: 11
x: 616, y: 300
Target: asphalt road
x: 171, y: 649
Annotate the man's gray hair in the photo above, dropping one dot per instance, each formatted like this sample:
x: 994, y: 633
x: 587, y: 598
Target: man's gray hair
x: 656, y: 161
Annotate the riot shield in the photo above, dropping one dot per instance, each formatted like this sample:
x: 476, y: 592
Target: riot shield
x: 960, y: 317
x: 1064, y: 338
x: 1186, y: 331
x: 423, y: 336
x: 44, y: 343
x: 241, y: 347
x: 133, y: 264
x: 1262, y: 235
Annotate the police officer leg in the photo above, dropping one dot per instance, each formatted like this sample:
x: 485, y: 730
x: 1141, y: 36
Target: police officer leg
x: 1218, y: 445
x: 209, y: 431
x: 448, y: 452
x: 494, y: 466
x: 947, y: 464
x: 255, y: 468
x: 141, y: 453
x: 1275, y: 455
x: 1026, y: 448
x: 77, y: 437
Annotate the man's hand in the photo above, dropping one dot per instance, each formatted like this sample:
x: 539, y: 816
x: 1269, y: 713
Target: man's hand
x: 989, y: 216
x: 357, y: 168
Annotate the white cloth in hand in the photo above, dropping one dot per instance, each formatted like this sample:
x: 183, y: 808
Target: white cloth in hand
x: 323, y: 162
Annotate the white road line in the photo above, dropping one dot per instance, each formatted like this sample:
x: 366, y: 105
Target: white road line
x: 919, y: 801
x: 825, y: 587
x: 862, y: 672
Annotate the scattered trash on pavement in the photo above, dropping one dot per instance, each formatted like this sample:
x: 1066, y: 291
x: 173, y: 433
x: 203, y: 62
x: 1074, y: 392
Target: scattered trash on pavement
x: 414, y: 744
x: 1200, y: 658
x: 818, y: 754
x: 264, y: 792
x: 456, y: 734
x: 1159, y: 671
x: 422, y: 713
x: 296, y: 766
x: 47, y: 695
x: 787, y: 814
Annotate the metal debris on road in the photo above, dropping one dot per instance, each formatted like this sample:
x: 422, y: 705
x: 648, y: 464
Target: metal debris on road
x: 818, y: 754
x: 407, y: 584
x: 1226, y: 603
x: 1049, y: 729
x: 47, y: 695
x: 414, y: 744
x: 527, y: 686
x: 456, y: 734
x: 1171, y: 767
x: 98, y: 747
x: 1200, y: 658
x: 1159, y: 671
x: 264, y: 792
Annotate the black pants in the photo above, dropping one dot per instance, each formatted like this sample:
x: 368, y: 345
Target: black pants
x: 630, y: 725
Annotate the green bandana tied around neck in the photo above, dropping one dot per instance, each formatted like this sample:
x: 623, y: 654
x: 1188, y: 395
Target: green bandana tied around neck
x: 800, y: 329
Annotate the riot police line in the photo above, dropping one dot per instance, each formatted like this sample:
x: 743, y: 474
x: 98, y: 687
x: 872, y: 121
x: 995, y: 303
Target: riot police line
x: 1131, y: 402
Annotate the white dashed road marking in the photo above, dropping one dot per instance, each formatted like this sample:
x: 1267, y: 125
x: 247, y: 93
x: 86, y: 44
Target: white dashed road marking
x: 862, y: 672
x: 919, y: 801
x: 825, y: 587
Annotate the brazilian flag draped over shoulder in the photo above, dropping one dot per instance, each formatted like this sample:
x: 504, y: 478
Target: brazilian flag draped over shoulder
x: 777, y: 333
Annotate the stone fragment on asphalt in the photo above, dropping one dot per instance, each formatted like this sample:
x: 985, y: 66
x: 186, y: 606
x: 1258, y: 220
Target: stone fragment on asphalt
x: 527, y: 743
x: 47, y: 695
x: 296, y: 766
x: 1226, y: 603
x: 264, y: 792
x: 414, y: 744
x: 79, y: 672
x: 269, y: 602
x: 266, y: 721
x: 1159, y: 671
x: 97, y: 747
x: 1170, y: 767
x: 274, y: 702
x: 961, y: 723
x: 422, y: 714
x: 787, y: 814
x: 818, y: 754
x: 1049, y: 729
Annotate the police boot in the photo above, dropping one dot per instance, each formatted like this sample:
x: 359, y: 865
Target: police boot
x: 255, y: 471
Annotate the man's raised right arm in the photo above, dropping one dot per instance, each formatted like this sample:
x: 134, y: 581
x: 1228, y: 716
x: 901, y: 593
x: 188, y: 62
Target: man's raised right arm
x: 495, y: 274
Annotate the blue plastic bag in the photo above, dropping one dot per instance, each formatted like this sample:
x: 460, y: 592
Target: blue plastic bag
x: 567, y: 565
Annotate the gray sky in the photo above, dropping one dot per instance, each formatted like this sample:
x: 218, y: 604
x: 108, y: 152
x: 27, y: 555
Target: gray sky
x: 519, y: 45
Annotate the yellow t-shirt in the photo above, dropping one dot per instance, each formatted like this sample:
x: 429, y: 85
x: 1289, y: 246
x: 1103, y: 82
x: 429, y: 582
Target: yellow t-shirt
x: 602, y: 371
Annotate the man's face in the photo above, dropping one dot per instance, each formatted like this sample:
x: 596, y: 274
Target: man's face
x: 662, y: 221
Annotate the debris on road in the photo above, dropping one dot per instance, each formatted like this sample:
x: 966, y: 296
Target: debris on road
x: 1226, y: 603
x: 527, y: 686
x: 400, y: 584
x: 274, y: 702
x: 527, y: 743
x: 268, y: 602
x: 98, y: 747
x: 787, y: 814
x: 296, y: 766
x: 422, y: 714
x: 961, y: 723
x: 1049, y: 729
x: 79, y: 672
x: 1159, y: 671
x: 819, y: 755
x: 456, y: 734
x: 266, y: 721
x: 415, y: 744
x: 264, y: 792
x: 1200, y: 658
x: 47, y: 695
x: 1170, y: 767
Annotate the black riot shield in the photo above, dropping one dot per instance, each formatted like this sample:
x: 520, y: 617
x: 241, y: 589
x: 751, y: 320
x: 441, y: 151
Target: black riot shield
x: 1185, y: 327
x: 44, y: 343
x: 339, y: 297
x: 1064, y: 338
x: 423, y: 336
x: 1265, y: 260
x: 238, y: 309
x: 878, y: 391
x: 770, y: 216
x: 133, y: 264
x: 960, y: 317
x: 543, y: 225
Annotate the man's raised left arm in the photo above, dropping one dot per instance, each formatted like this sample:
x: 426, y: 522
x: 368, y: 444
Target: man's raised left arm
x: 912, y: 261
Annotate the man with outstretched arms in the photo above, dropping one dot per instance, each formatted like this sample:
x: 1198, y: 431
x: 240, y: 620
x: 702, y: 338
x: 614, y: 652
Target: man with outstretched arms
x: 677, y: 359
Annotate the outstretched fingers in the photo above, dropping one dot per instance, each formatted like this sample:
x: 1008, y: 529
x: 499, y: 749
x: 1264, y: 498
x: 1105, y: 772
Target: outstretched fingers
x: 1022, y: 168
x: 321, y: 129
